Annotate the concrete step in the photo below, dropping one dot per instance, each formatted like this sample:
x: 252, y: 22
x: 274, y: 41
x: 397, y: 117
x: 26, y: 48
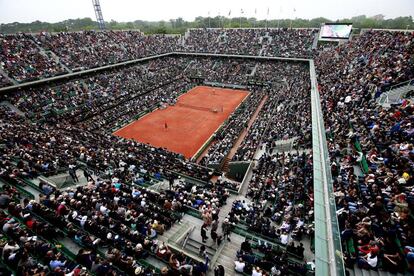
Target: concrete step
x: 227, y: 250
x: 227, y: 260
x: 351, y: 272
x: 195, y: 245
x: 5, y: 75
x: 70, y: 245
x: 231, y: 246
x: 229, y: 270
x: 236, y: 239
x: 155, y: 262
x: 227, y: 265
x: 357, y: 272
x: 170, y: 232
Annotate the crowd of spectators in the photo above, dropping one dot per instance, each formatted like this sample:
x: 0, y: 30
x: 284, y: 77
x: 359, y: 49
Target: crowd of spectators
x: 370, y: 147
x: 281, y: 210
x: 26, y: 57
x: 4, y: 81
x: 203, y: 40
x: 85, y: 97
x: 264, y: 259
x: 27, y: 242
x: 290, y: 42
x: 286, y: 112
x: 293, y: 113
x: 33, y: 148
x: 281, y: 42
x: 204, y: 198
x: 90, y: 49
x: 116, y: 226
x: 22, y: 60
x: 224, y: 71
x: 225, y: 138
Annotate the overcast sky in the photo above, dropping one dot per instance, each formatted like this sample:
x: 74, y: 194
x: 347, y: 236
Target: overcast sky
x: 152, y: 10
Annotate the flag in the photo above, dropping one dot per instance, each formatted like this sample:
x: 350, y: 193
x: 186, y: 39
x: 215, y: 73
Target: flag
x: 268, y: 11
x: 208, y: 13
x: 255, y: 11
x: 241, y: 11
x: 229, y: 12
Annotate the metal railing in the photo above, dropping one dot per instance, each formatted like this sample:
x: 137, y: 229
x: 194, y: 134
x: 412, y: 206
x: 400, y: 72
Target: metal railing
x: 385, y: 96
x: 398, y: 85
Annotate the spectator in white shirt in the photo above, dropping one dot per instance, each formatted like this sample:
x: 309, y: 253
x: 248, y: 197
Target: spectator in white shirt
x: 368, y: 261
x: 239, y: 265
x: 284, y: 238
x: 257, y: 272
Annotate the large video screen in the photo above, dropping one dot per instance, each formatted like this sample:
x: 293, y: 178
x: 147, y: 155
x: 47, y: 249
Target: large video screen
x: 336, y: 30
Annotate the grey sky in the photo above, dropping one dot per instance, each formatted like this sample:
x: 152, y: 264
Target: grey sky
x: 129, y: 10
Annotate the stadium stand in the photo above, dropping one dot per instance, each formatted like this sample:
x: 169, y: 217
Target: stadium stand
x: 23, y: 60
x: 370, y: 147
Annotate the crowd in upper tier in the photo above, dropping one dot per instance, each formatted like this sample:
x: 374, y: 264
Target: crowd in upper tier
x: 69, y: 122
x: 90, y: 49
x: 267, y: 42
x: 27, y: 57
x: 22, y: 59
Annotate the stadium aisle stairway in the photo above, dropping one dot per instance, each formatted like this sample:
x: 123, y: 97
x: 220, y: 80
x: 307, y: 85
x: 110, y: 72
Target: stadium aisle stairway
x: 363, y: 272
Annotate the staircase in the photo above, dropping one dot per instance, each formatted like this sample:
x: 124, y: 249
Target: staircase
x: 396, y: 93
x: 228, y: 254
x: 283, y: 145
x: 225, y: 167
x: 193, y: 246
x: 254, y: 70
x: 188, y: 66
x: 12, y: 107
x: 264, y: 45
x: 363, y: 272
x: 53, y: 56
x: 57, y: 60
x: 174, y: 233
x: 215, y: 65
x: 4, y: 74
x: 222, y: 35
x: 315, y: 41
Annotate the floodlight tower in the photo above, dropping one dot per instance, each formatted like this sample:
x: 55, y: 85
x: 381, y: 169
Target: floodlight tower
x: 98, y: 13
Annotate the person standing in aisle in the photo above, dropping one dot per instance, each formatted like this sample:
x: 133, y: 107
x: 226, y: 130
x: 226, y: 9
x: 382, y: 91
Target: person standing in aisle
x: 226, y: 228
x: 204, y: 233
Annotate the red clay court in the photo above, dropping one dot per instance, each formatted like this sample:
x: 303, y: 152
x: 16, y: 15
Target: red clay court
x: 190, y: 123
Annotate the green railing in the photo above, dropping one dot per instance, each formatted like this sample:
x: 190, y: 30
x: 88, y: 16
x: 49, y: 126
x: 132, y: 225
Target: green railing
x: 328, y: 248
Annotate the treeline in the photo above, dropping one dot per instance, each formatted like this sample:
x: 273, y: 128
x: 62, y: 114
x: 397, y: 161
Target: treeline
x: 179, y: 25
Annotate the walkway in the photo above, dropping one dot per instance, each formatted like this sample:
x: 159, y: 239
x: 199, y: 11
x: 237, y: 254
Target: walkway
x: 237, y: 144
x: 243, y: 134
